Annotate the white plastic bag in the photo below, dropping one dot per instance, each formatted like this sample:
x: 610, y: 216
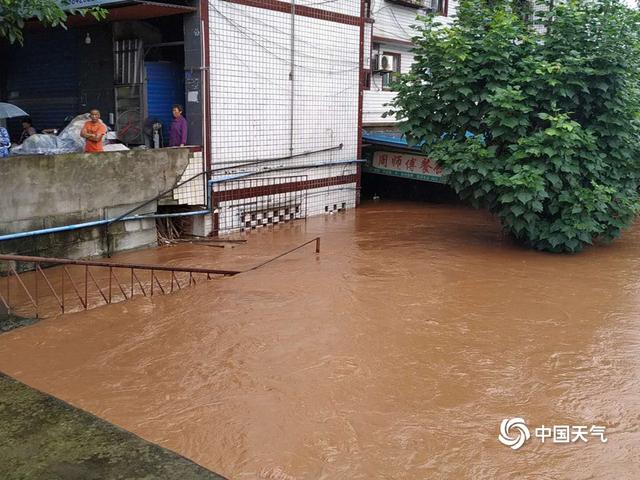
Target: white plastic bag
x: 69, y: 140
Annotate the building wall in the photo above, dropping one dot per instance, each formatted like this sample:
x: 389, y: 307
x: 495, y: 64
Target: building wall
x: 53, y: 83
x: 263, y: 107
x: 391, y: 33
x: 195, y: 94
x: 96, y: 70
x: 376, y: 97
x: 45, y: 191
x: 42, y: 81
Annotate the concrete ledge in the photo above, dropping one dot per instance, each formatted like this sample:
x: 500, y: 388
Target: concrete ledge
x: 42, y: 437
x: 43, y: 191
x: 36, y: 186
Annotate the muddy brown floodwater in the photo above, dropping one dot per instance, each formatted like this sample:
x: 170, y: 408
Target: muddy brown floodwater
x: 394, y: 354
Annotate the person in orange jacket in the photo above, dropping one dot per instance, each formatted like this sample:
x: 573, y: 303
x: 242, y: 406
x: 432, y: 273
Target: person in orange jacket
x: 93, y: 132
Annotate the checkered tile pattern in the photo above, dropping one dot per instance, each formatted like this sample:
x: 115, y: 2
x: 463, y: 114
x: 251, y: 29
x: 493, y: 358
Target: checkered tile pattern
x: 274, y: 216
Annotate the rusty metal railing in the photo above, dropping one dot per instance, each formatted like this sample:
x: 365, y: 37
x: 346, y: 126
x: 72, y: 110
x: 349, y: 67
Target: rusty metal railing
x: 67, y: 285
x: 315, y: 240
x: 60, y: 282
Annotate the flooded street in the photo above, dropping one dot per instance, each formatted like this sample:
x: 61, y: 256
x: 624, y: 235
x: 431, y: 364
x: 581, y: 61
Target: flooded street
x: 394, y: 354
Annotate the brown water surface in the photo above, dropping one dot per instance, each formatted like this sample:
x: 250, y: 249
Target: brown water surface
x: 394, y: 354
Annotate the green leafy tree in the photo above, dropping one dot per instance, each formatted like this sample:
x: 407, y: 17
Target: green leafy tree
x: 14, y: 14
x: 538, y: 125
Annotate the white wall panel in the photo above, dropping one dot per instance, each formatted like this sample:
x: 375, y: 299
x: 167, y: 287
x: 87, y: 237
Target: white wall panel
x: 394, y: 21
x: 347, y: 7
x: 249, y: 82
x: 253, y: 80
x: 326, y: 88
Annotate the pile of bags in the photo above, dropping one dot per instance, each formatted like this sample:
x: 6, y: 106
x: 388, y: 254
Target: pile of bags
x: 68, y: 141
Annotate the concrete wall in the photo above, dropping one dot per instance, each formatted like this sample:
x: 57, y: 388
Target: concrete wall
x: 44, y: 191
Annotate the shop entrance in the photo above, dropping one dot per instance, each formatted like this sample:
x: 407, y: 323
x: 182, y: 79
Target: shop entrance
x: 149, y: 79
x: 131, y: 67
x: 396, y: 170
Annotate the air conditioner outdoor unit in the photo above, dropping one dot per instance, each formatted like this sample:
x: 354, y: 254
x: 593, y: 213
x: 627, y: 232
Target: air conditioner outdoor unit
x: 384, y: 63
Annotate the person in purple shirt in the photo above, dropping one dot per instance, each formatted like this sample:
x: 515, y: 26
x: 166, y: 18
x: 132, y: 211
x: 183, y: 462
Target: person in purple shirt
x: 178, y: 131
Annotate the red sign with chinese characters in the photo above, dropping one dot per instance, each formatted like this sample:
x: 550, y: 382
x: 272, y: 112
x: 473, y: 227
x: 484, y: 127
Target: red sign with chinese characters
x: 406, y: 165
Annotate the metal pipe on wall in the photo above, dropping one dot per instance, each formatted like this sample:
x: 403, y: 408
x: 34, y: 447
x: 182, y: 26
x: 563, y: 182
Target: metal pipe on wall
x: 96, y: 223
x: 292, y: 74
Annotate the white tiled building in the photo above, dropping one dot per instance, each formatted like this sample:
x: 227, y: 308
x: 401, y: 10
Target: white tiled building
x: 272, y: 92
x: 292, y: 83
x: 285, y: 100
x: 390, y: 35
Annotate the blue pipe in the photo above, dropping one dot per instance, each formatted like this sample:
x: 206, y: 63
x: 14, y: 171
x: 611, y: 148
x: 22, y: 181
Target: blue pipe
x: 97, y: 223
x: 33, y: 233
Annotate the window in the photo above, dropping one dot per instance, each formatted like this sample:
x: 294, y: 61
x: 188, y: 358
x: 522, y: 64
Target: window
x: 439, y: 6
x: 389, y: 77
x: 367, y: 8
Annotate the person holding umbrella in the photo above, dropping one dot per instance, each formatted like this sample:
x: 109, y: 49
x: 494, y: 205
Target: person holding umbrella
x: 8, y: 110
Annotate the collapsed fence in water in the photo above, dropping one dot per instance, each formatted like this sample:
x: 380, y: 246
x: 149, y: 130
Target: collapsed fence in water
x: 25, y: 288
